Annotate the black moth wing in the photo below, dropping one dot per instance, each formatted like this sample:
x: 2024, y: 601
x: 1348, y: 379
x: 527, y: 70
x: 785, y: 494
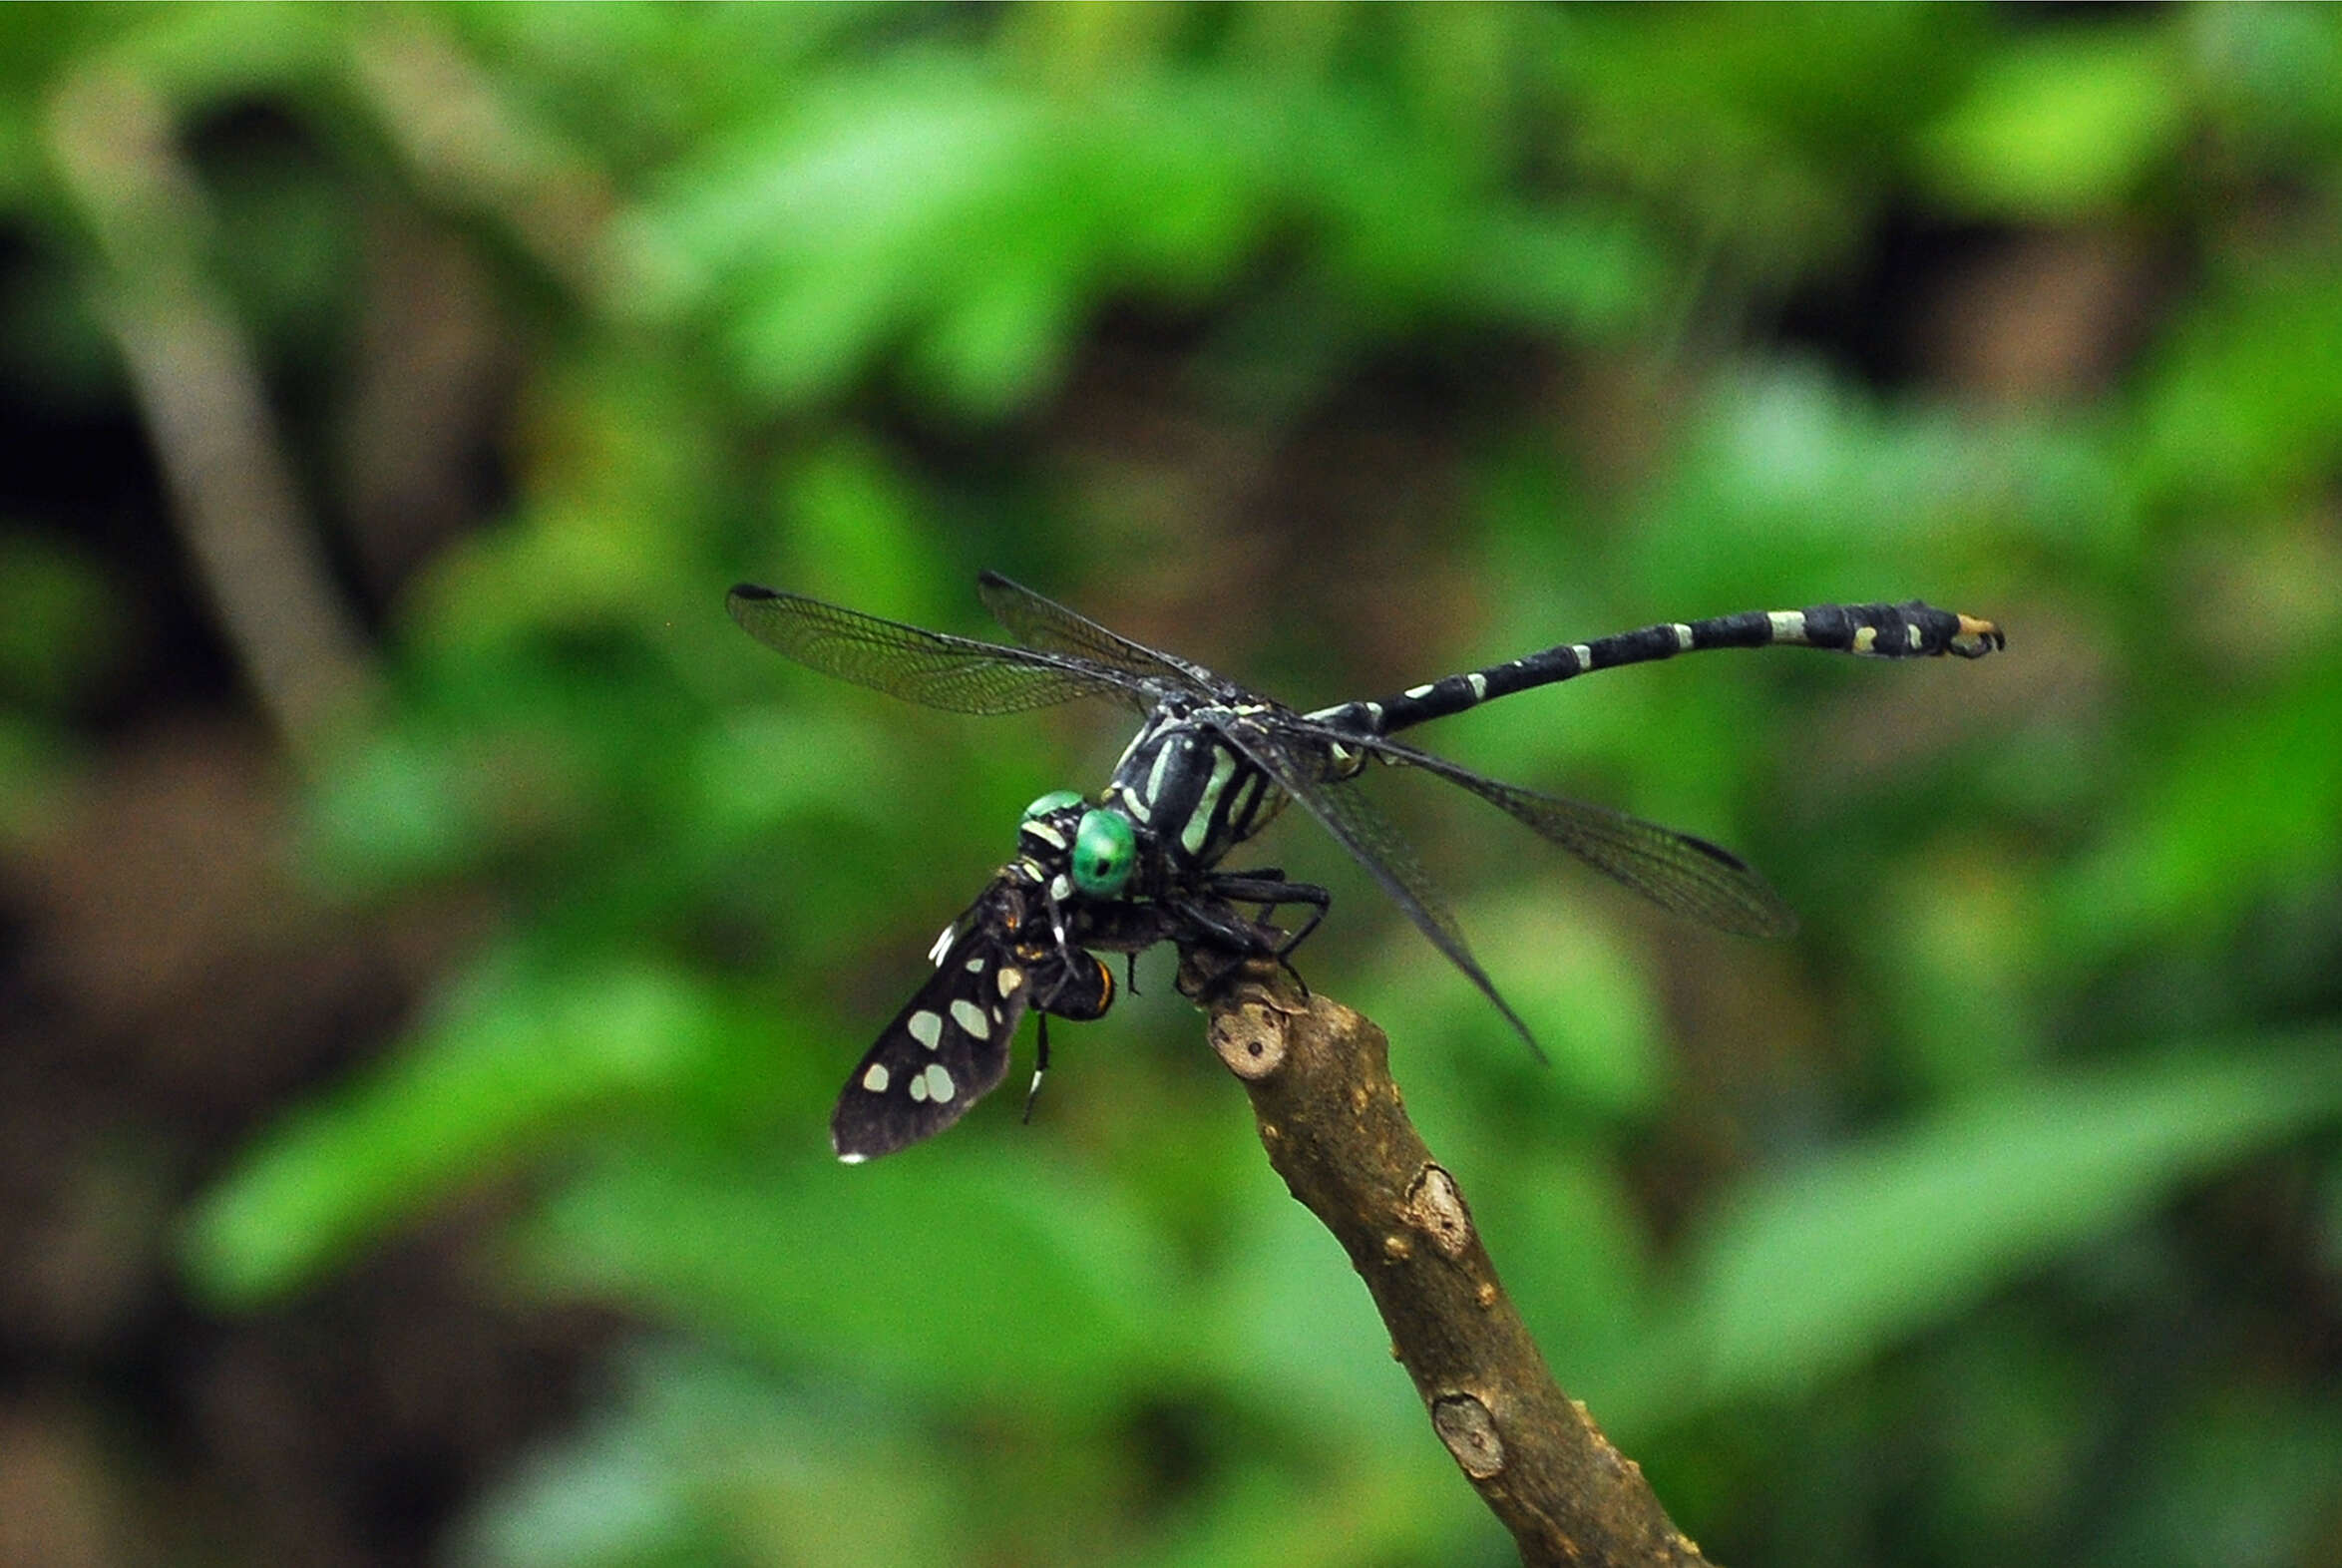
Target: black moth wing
x: 947, y: 1049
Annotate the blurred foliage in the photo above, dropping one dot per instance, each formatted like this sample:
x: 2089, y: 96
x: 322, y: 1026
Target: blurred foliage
x: 1996, y: 1218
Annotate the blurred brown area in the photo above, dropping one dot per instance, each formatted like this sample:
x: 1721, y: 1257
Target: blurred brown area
x: 168, y: 984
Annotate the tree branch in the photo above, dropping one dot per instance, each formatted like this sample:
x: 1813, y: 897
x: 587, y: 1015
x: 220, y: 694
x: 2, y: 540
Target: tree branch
x: 253, y: 543
x: 1332, y: 1122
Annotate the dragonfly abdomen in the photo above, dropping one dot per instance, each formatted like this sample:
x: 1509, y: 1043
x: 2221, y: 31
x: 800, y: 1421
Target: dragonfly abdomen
x: 1912, y: 629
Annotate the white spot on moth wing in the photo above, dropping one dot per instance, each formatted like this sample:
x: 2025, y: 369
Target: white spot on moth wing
x: 1010, y: 977
x: 1059, y: 887
x: 974, y: 966
x: 926, y: 1027
x: 1582, y: 653
x: 1418, y: 692
x: 939, y: 1087
x: 1914, y: 635
x: 971, y: 1018
x: 916, y: 1086
x: 851, y: 1159
x: 934, y: 954
x: 1865, y: 639
x: 1788, y: 625
x: 876, y: 1079
x: 1479, y: 685
x: 1683, y: 636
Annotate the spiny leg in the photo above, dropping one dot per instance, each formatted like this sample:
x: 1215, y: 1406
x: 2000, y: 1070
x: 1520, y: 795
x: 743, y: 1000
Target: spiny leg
x: 1212, y: 918
x: 1082, y: 989
x: 1269, y: 889
x: 1041, y: 1064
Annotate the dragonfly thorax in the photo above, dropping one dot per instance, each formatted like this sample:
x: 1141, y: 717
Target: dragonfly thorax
x: 1188, y: 789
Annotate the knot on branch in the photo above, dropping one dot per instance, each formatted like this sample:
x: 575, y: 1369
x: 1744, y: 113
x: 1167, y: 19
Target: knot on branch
x: 1434, y: 1205
x: 1249, y: 1039
x: 1465, y: 1424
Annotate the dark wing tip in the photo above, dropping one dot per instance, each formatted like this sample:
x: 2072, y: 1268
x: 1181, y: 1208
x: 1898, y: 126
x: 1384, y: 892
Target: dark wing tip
x: 1760, y: 912
x: 751, y: 591
x: 1715, y: 852
x: 990, y: 578
x: 858, y: 1136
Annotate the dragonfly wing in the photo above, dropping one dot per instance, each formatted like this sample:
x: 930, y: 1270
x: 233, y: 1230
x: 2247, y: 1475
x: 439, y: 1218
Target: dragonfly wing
x: 1043, y: 623
x: 1375, y: 844
x: 1689, y: 876
x: 931, y: 668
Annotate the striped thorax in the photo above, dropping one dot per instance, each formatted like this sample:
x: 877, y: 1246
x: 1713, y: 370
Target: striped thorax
x: 1187, y: 789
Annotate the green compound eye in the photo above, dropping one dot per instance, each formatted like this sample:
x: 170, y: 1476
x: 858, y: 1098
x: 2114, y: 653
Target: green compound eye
x: 1105, y: 850
x: 1054, y: 799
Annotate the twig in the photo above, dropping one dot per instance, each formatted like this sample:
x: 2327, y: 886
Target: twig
x: 251, y: 541
x: 1330, y: 1117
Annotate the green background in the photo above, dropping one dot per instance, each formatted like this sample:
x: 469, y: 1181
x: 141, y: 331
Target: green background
x: 413, y: 1147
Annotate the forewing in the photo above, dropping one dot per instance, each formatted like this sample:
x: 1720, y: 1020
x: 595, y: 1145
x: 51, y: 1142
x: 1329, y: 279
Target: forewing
x: 944, y: 1052
x: 1043, y: 623
x: 933, y: 668
x: 1361, y: 829
x: 1675, y: 871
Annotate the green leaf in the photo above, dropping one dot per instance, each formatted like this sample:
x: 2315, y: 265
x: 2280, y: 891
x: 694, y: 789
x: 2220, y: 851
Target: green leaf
x: 479, y: 1090
x: 960, y: 1271
x: 2064, y: 127
x: 1811, y: 1272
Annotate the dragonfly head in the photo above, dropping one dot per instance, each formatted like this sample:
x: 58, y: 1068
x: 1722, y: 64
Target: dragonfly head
x: 1106, y: 851
x: 1097, y: 847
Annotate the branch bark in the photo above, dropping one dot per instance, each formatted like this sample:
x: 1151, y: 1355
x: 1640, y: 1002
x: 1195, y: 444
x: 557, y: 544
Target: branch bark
x: 1331, y: 1119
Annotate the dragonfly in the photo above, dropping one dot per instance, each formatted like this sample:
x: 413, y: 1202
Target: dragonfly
x: 1211, y: 765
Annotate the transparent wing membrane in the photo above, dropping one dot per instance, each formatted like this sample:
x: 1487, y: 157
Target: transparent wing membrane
x: 1375, y: 844
x: 931, y: 668
x: 1046, y: 625
x: 1675, y: 871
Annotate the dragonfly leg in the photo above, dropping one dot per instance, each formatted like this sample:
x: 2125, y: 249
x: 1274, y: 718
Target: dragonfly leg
x: 1269, y: 889
x: 1214, y: 918
x: 1246, y: 939
x: 1041, y: 1064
